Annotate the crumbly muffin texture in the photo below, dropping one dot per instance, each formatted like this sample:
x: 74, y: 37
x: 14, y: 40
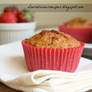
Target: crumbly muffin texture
x: 79, y: 23
x: 52, y: 39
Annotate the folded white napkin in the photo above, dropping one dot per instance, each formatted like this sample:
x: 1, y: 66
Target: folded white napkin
x: 15, y: 74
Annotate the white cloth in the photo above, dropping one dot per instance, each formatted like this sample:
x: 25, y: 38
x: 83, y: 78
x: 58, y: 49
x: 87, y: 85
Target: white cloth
x: 15, y: 74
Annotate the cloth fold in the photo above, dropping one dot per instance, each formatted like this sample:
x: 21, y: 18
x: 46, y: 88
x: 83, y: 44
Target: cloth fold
x: 15, y: 74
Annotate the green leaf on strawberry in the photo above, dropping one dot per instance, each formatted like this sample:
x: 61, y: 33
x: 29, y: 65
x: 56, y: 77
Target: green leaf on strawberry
x: 27, y: 16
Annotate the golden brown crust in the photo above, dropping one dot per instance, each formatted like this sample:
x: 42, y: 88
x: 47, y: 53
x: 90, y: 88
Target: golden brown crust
x: 52, y: 39
x: 79, y: 23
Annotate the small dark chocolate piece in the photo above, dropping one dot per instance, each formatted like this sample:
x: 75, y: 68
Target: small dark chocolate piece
x: 26, y: 38
x: 49, y: 44
x: 53, y: 38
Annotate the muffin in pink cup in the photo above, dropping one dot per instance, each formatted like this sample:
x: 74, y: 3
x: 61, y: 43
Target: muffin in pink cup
x: 52, y: 50
x: 79, y: 28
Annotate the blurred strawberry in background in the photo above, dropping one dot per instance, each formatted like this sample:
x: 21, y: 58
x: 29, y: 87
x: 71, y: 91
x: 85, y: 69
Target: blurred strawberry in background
x: 25, y: 16
x: 8, y: 17
x: 13, y: 9
x: 12, y: 14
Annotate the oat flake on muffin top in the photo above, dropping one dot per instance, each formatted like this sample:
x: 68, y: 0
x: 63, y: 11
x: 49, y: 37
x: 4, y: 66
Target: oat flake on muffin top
x: 53, y: 39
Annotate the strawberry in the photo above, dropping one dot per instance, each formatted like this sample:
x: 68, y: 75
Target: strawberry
x: 7, y: 9
x: 25, y: 16
x: 8, y: 17
x: 13, y: 9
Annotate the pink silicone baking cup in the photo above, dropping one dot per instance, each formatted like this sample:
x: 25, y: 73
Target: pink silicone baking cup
x: 81, y: 34
x: 91, y: 35
x: 52, y: 59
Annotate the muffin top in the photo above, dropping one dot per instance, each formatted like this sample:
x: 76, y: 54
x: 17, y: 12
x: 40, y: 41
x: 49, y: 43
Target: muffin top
x: 52, y: 39
x: 79, y: 23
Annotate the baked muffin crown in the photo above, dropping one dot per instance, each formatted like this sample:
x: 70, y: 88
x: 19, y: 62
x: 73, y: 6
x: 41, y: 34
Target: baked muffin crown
x: 79, y: 23
x: 52, y: 39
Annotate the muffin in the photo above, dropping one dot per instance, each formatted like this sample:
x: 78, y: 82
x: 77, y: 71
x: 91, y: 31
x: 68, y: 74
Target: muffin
x: 79, y: 28
x: 79, y: 23
x: 52, y: 39
x: 52, y: 50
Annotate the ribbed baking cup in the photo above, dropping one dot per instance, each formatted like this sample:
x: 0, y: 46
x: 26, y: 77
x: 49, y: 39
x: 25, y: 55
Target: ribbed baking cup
x: 52, y: 59
x: 91, y: 35
x: 81, y: 34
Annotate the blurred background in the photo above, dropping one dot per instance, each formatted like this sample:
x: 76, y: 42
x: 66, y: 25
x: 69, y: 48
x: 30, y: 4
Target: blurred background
x: 52, y: 19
